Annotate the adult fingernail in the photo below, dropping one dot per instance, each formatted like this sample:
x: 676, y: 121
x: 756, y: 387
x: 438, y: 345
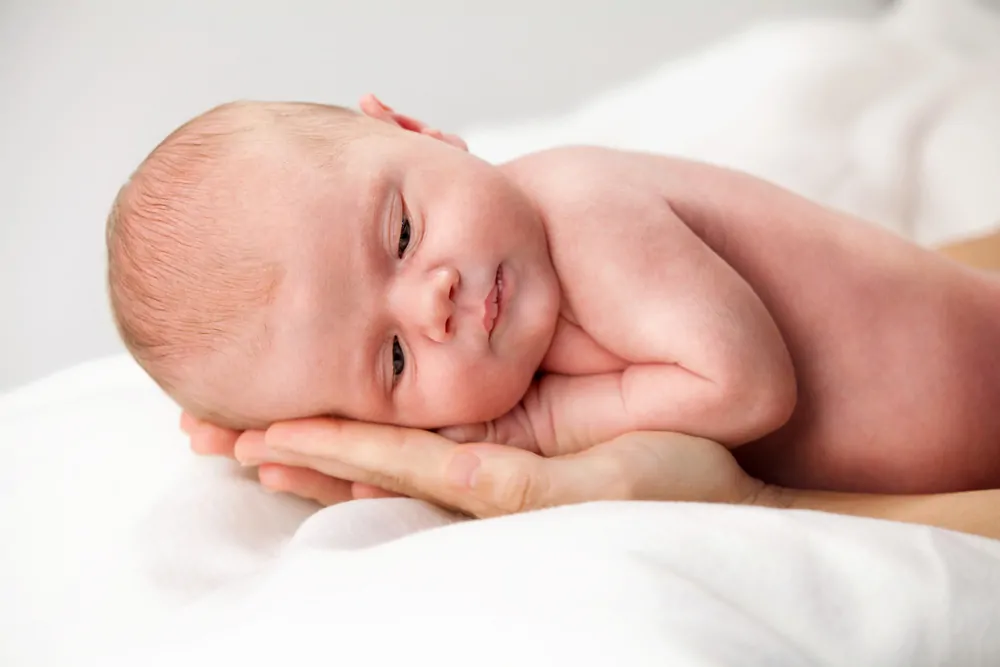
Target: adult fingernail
x: 464, y: 469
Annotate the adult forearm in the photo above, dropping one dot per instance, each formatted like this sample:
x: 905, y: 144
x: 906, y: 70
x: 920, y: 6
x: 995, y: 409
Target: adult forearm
x: 974, y: 512
x: 982, y: 252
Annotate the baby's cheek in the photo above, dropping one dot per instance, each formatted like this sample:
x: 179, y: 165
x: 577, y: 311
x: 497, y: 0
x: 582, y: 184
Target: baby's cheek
x: 475, y: 392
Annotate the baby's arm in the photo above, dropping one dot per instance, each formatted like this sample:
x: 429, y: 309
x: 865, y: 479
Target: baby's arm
x: 706, y: 358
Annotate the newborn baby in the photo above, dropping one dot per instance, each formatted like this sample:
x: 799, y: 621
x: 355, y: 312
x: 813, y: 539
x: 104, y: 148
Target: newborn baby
x: 271, y: 261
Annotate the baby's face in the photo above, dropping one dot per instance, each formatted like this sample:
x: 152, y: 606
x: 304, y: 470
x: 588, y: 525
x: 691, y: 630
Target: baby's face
x: 418, y: 286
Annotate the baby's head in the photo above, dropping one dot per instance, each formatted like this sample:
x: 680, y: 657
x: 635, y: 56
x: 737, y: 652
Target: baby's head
x: 272, y: 261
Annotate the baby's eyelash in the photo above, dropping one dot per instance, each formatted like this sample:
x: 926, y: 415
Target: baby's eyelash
x: 404, y: 236
x: 398, y: 359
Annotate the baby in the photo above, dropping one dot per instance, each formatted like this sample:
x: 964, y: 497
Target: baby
x: 271, y: 261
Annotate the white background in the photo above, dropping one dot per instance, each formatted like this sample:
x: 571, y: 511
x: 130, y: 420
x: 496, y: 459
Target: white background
x: 87, y: 88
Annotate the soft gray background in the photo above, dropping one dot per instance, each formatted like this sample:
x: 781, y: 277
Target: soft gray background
x: 87, y: 89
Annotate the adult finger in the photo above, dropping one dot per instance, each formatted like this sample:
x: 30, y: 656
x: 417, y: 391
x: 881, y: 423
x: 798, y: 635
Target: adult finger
x: 361, y: 491
x: 251, y: 450
x: 336, y: 444
x: 305, y: 483
x: 188, y: 423
x: 479, y: 479
x: 314, y: 485
x: 207, y: 439
x: 411, y: 462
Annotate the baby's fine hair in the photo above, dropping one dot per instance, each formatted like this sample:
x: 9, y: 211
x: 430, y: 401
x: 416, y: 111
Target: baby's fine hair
x: 184, y: 281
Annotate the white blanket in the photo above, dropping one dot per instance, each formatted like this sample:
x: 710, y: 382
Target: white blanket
x: 122, y: 549
x: 628, y: 583
x: 115, y: 538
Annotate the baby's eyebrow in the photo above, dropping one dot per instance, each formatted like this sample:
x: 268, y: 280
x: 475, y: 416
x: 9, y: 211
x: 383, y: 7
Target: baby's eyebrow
x: 375, y: 211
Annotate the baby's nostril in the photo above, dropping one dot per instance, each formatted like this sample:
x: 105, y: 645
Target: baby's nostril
x: 447, y: 325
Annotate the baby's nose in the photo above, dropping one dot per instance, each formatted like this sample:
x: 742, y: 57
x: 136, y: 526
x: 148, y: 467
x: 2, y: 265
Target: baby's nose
x: 440, y: 304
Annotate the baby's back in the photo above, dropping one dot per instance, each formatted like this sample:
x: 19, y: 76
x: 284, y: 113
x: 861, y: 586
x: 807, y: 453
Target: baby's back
x: 896, y: 349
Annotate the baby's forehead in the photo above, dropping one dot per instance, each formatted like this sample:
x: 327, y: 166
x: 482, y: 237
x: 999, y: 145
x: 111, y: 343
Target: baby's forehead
x: 264, y: 188
x: 317, y: 218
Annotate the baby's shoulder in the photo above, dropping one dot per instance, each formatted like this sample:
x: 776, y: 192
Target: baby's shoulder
x: 555, y: 170
x: 566, y: 163
x: 572, y: 171
x: 575, y: 179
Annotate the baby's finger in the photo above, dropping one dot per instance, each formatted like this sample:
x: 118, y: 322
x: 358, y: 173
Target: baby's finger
x: 464, y: 433
x: 305, y: 483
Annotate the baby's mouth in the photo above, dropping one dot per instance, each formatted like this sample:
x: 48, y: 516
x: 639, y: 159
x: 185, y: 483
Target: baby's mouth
x: 494, y: 300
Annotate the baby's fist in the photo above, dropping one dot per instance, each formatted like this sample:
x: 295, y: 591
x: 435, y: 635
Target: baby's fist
x: 465, y: 433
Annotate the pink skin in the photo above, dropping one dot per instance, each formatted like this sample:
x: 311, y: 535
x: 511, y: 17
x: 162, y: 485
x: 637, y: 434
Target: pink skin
x: 470, y: 300
x: 442, y: 299
x: 871, y: 357
x: 393, y: 265
x: 477, y: 299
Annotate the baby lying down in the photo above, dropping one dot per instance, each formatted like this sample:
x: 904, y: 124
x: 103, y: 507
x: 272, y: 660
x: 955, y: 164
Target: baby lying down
x: 270, y: 261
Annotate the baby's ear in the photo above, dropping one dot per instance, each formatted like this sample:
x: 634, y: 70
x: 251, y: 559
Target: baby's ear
x: 373, y: 107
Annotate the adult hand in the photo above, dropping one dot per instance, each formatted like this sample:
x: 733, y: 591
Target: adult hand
x: 486, y: 480
x: 210, y: 440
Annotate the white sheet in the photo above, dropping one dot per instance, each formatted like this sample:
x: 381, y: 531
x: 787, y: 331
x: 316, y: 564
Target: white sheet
x: 111, y: 529
x: 627, y: 583
x: 199, y: 566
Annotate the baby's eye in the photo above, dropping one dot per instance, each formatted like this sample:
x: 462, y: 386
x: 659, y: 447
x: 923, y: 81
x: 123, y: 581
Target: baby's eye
x: 398, y: 361
x: 404, y: 236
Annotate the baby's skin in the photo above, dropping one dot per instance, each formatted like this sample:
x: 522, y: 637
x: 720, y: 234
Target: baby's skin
x: 895, y: 361
x: 577, y: 294
x: 833, y: 354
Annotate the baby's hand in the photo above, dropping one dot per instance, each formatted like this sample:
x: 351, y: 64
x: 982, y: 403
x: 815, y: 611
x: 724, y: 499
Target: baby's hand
x: 513, y: 429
